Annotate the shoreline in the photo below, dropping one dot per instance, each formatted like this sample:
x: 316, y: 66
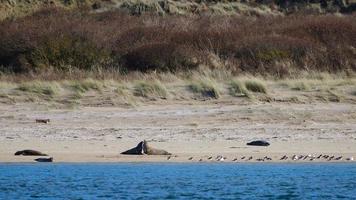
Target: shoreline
x: 97, y: 134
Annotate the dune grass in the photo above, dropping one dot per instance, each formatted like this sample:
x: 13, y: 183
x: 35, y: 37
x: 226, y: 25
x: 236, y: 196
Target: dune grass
x: 150, y: 89
x: 238, y: 89
x: 206, y: 87
x: 301, y: 86
x: 255, y: 85
x: 49, y: 89
x: 82, y: 86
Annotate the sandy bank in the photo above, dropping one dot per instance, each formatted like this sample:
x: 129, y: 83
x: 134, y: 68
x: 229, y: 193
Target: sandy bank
x: 199, y: 131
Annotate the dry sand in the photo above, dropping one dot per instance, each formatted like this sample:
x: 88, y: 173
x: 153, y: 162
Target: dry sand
x: 195, y: 129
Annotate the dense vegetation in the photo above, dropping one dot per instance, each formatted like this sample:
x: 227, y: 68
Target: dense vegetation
x: 18, y: 8
x: 61, y: 40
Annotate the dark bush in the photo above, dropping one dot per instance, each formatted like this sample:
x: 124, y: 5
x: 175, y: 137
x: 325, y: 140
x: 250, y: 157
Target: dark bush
x: 280, y: 46
x: 161, y: 57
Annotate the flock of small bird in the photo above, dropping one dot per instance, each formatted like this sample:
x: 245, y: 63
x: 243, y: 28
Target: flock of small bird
x: 309, y: 157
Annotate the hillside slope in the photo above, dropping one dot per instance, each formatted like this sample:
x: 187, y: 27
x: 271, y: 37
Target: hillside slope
x: 16, y: 8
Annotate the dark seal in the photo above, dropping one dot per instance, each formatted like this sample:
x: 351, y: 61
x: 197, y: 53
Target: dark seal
x: 143, y: 148
x: 258, y: 143
x: 29, y: 152
x: 44, y: 159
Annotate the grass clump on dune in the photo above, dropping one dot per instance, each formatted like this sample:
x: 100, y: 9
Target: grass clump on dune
x: 238, y: 89
x: 150, y: 89
x: 301, y: 86
x: 255, y: 86
x: 83, y: 86
x: 42, y: 88
x: 206, y: 87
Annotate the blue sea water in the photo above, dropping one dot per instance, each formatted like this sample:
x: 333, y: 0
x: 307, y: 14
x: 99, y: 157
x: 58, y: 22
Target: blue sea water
x: 177, y: 181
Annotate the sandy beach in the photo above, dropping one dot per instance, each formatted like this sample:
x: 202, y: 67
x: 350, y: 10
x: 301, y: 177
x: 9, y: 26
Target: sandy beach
x: 192, y: 131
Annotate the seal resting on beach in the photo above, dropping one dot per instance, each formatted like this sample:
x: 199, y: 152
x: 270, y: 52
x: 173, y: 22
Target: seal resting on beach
x: 143, y: 148
x: 44, y: 159
x: 29, y: 152
x: 258, y: 143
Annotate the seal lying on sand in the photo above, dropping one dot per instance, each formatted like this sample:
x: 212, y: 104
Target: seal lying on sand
x: 144, y: 148
x: 44, y: 159
x: 29, y: 152
x: 258, y: 143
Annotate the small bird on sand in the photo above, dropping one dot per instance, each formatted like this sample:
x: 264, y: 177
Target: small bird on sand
x: 284, y: 157
x: 169, y: 157
x: 191, y: 158
x: 200, y: 160
x: 350, y: 158
x: 250, y: 158
x: 235, y: 159
x: 338, y: 158
x: 319, y: 156
x: 243, y: 157
x: 295, y: 157
x: 220, y: 158
x: 210, y: 158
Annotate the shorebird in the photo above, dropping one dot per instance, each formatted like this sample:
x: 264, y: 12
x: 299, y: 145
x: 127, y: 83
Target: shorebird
x: 250, y: 158
x: 235, y: 159
x: 350, y: 159
x: 284, y: 157
x: 220, y: 158
x: 319, y: 156
x: 295, y: 157
x: 243, y: 157
x: 338, y: 158
x: 191, y: 158
x: 210, y: 158
x: 200, y: 160
x: 169, y: 157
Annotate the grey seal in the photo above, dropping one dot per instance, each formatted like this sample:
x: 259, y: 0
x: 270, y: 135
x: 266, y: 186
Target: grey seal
x: 29, y: 152
x: 143, y: 148
x: 44, y: 159
x: 258, y: 143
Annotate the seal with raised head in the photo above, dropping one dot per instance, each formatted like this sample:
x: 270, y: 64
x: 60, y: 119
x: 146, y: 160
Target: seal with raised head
x: 144, y: 148
x: 138, y: 150
x: 29, y: 152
